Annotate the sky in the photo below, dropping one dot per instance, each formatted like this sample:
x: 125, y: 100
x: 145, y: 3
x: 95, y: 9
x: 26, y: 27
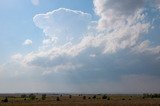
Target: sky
x: 80, y: 46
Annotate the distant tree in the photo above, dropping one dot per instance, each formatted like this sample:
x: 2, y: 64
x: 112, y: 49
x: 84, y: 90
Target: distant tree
x: 123, y: 99
x: 70, y: 96
x: 43, y: 96
x: 84, y: 97
x: 23, y: 96
x: 151, y: 95
x: 94, y: 97
x: 58, y: 99
x: 5, y: 100
x: 108, y: 98
x: 104, y: 97
x: 89, y: 97
x: 32, y: 96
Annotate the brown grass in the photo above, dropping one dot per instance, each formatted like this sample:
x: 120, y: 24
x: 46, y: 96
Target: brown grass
x: 115, y: 100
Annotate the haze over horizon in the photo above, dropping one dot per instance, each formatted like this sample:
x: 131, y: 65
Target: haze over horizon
x: 80, y: 46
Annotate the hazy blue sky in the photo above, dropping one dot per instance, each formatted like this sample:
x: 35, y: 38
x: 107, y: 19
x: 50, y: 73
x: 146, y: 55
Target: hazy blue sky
x: 81, y: 46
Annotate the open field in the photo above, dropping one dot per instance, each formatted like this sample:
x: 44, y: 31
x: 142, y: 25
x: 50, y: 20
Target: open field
x: 79, y: 100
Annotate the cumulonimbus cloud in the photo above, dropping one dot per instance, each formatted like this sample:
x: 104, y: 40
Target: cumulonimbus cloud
x: 62, y: 25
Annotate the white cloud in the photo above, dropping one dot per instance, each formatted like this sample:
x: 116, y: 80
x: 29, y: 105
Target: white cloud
x: 146, y: 47
x: 92, y: 55
x: 62, y: 25
x: 35, y: 2
x: 27, y: 42
x: 17, y: 57
x: 103, y: 43
x: 116, y: 13
x: 63, y: 67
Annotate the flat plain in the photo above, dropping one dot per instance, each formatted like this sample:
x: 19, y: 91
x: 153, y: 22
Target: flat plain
x: 78, y: 100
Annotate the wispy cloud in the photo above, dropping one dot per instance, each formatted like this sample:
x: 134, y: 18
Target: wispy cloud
x: 35, y: 2
x: 27, y: 42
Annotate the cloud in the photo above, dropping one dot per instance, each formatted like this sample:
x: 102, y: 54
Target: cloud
x: 17, y: 57
x: 35, y: 2
x: 115, y: 13
x: 122, y: 34
x: 27, y: 42
x: 145, y: 47
x: 102, y: 44
x: 120, y: 7
x: 62, y: 25
x: 157, y: 4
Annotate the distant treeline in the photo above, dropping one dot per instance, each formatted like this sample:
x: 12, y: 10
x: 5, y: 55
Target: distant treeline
x: 151, y: 95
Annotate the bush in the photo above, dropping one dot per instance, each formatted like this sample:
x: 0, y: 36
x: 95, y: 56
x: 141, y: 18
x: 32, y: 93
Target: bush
x: 5, y: 100
x: 70, y: 96
x: 94, y: 97
x: 32, y: 96
x: 104, y: 97
x: 43, y: 96
x: 151, y: 96
x: 23, y: 96
x: 58, y: 99
x: 84, y: 97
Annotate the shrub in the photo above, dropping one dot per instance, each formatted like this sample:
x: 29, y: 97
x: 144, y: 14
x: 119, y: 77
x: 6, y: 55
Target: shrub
x: 5, y: 100
x: 104, y: 97
x: 151, y: 95
x: 58, y: 99
x: 84, y: 97
x: 94, y: 97
x: 23, y: 96
x: 32, y: 96
x: 43, y: 96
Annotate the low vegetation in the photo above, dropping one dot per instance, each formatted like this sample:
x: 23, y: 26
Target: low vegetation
x: 151, y: 95
x: 79, y: 100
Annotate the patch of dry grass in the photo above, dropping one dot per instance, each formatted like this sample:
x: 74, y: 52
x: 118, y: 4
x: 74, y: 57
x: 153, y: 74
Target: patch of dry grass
x: 76, y: 100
